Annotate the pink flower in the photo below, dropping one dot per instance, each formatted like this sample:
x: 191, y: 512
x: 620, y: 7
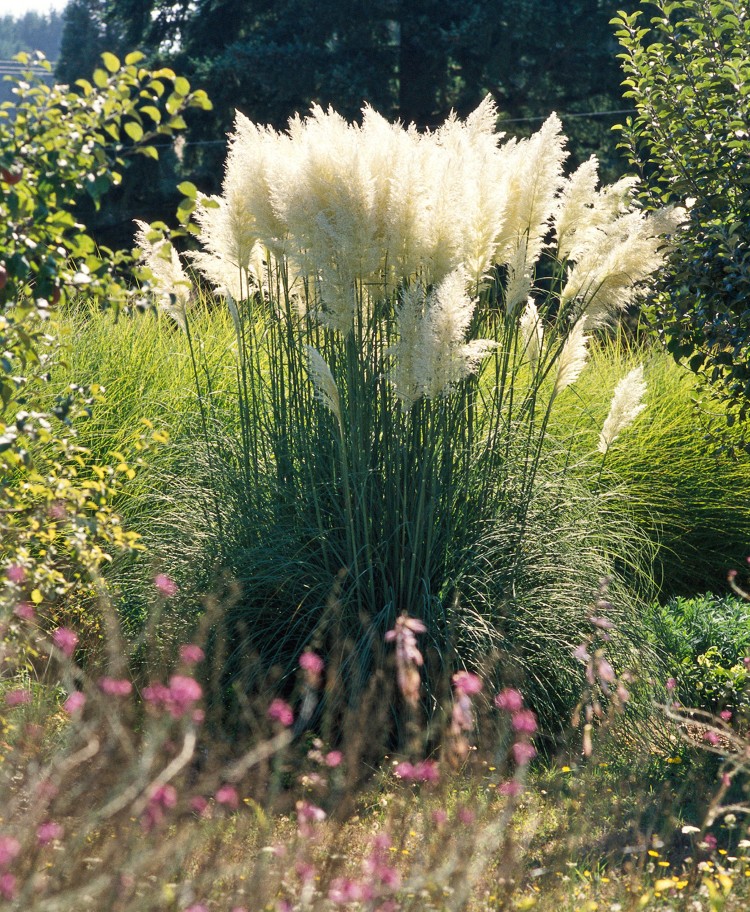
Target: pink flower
x: 404, y: 770
x: 164, y: 796
x: 523, y: 752
x: 333, y: 759
x: 17, y: 697
x: 312, y: 662
x: 439, y: 817
x: 25, y: 611
x: 16, y: 574
x: 671, y: 684
x: 199, y: 805
x: 184, y: 691
x: 711, y: 737
x: 75, y: 702
x: 309, y: 813
x: 48, y: 832
x: 7, y: 886
x: 115, y: 687
x: 191, y: 654
x: 746, y: 661
x: 65, y: 640
x: 524, y: 721
x: 512, y: 788
x: 462, y: 717
x: 57, y: 511
x: 427, y: 771
x: 344, y: 890
x: 157, y: 695
x: 9, y: 849
x: 408, y: 657
x: 605, y: 671
x: 726, y: 715
x: 280, y: 711
x: 305, y: 871
x: 509, y: 700
x: 197, y: 907
x: 466, y: 816
x: 165, y: 585
x: 179, y: 697
x: 307, y: 816
x: 467, y: 683
x: 581, y: 653
x: 424, y: 771
x: 710, y: 840
x: 603, y: 623
x: 227, y: 795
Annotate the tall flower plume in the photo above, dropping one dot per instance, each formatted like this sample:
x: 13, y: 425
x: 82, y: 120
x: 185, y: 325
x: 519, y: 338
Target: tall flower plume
x: 572, y: 359
x: 325, y: 386
x: 532, y: 333
x: 432, y: 353
x: 171, y: 283
x: 627, y: 404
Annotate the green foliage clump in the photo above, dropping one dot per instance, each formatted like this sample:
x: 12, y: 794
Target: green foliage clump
x: 688, y: 77
x: 705, y: 640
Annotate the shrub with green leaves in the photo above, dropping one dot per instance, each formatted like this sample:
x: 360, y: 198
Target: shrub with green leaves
x: 706, y: 640
x: 57, y: 525
x: 398, y: 363
x: 687, y: 75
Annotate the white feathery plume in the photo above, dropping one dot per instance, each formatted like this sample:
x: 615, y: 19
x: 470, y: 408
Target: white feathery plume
x: 330, y: 214
x: 401, y: 193
x: 448, y: 317
x: 232, y: 258
x: 518, y: 285
x: 627, y: 404
x: 170, y: 281
x: 574, y: 206
x: 608, y: 276
x: 572, y: 359
x: 260, y: 163
x: 409, y: 351
x: 535, y: 180
x: 431, y: 355
x: 477, y: 172
x: 322, y: 378
x: 532, y: 333
x: 584, y: 214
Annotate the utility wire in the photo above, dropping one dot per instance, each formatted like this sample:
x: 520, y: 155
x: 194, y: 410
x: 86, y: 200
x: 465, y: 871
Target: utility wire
x: 572, y: 114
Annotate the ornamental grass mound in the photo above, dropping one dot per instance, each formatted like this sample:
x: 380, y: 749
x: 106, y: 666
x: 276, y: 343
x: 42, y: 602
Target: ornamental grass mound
x: 408, y: 309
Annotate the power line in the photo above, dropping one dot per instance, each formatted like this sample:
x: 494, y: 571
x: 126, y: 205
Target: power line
x: 572, y: 114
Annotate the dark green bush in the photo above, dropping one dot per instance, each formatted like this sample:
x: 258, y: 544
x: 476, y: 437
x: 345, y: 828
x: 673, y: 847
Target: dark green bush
x: 688, y: 77
x: 705, y: 640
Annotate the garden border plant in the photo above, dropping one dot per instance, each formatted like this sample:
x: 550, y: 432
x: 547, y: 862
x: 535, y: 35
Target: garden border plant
x: 397, y: 365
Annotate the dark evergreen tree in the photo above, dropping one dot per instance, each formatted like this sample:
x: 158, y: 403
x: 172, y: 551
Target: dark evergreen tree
x: 410, y: 59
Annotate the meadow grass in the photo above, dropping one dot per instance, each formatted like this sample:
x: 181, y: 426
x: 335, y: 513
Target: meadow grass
x: 691, y: 500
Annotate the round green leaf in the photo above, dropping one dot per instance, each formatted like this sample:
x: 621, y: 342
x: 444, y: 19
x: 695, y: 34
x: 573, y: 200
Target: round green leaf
x: 111, y: 62
x: 188, y: 189
x: 134, y: 130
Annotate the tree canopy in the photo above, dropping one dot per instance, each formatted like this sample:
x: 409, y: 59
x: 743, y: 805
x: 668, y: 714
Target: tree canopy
x: 410, y: 59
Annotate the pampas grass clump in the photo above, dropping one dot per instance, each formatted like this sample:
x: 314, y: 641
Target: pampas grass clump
x: 397, y: 367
